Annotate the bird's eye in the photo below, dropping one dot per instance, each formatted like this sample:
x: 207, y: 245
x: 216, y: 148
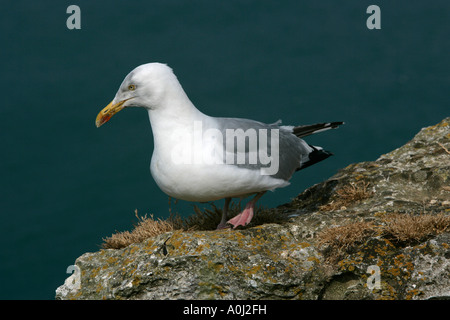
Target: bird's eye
x: 131, y: 87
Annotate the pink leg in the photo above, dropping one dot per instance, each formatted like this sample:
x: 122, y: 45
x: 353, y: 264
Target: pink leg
x: 245, y: 216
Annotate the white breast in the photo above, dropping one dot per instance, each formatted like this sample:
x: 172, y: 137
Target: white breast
x: 188, y: 167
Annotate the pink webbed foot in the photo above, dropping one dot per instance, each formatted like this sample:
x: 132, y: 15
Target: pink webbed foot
x: 244, y: 217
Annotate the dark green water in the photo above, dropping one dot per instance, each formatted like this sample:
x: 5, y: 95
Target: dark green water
x: 66, y: 184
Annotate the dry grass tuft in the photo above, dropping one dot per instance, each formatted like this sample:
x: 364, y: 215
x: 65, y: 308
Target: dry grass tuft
x: 408, y: 228
x: 347, y: 195
x: 146, y: 227
x: 344, y: 238
x: 399, y: 228
x: 206, y: 219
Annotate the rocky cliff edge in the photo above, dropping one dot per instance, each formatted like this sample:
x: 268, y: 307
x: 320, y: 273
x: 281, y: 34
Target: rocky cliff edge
x: 375, y: 230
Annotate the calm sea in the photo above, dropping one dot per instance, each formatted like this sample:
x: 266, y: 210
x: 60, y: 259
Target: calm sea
x: 66, y: 184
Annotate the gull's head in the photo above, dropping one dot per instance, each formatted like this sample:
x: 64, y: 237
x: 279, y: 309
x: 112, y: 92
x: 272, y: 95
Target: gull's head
x: 146, y: 86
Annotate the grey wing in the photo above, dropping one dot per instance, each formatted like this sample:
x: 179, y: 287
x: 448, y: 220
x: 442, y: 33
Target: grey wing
x: 258, y: 146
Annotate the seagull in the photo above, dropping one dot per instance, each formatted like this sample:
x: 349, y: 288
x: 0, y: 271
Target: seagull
x: 201, y: 158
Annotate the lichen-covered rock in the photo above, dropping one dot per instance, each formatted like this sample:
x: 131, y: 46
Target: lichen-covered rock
x: 262, y: 262
x: 287, y: 260
x: 421, y: 271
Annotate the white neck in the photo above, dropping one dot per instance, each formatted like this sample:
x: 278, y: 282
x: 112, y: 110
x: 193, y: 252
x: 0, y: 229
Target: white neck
x: 172, y: 114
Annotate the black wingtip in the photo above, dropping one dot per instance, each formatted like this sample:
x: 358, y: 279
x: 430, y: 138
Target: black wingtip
x: 335, y: 125
x: 306, y: 130
x: 316, y: 156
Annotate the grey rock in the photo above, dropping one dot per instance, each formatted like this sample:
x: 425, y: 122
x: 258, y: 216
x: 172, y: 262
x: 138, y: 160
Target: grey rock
x: 285, y: 260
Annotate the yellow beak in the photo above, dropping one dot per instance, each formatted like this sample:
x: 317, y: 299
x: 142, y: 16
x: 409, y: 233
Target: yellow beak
x: 108, y: 111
